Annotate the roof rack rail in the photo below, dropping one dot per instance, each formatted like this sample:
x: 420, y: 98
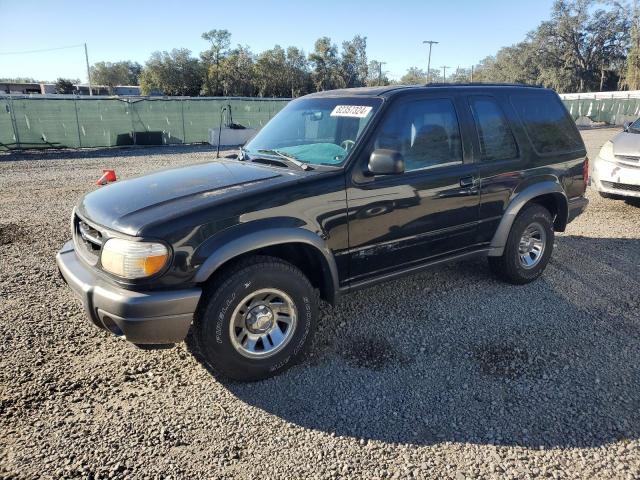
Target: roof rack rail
x: 482, y: 84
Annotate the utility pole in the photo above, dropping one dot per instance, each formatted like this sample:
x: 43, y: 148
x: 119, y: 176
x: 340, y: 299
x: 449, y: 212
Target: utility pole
x: 380, y: 73
x: 471, y: 73
x: 444, y: 73
x: 431, y: 43
x: 86, y: 57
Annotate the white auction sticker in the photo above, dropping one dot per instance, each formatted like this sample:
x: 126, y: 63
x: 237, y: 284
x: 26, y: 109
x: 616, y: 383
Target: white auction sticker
x: 357, y: 111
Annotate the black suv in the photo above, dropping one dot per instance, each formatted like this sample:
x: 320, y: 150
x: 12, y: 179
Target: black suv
x: 342, y: 189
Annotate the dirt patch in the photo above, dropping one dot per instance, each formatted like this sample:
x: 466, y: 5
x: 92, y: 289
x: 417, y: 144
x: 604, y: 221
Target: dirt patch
x: 11, y: 233
x: 371, y: 353
x: 503, y: 360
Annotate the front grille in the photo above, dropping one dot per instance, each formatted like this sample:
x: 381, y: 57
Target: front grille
x: 631, y: 160
x: 88, y: 240
x: 621, y: 186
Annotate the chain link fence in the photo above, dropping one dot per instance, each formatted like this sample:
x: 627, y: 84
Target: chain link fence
x: 69, y: 121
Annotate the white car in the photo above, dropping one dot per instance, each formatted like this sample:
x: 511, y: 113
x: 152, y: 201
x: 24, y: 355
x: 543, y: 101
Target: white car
x: 616, y: 169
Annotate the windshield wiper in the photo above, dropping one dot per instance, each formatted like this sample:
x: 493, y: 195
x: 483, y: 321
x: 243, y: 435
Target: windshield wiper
x: 290, y: 159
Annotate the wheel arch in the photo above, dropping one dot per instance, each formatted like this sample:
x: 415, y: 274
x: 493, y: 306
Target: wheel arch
x: 302, y: 248
x: 549, y: 194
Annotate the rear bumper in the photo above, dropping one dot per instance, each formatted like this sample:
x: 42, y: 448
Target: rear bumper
x: 615, y: 178
x: 158, y: 317
x: 577, y: 206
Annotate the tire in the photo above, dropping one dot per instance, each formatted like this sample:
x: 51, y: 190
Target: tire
x: 510, y: 267
x: 237, y: 329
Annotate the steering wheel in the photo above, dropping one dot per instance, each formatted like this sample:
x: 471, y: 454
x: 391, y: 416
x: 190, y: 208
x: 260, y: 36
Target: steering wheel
x: 347, y: 144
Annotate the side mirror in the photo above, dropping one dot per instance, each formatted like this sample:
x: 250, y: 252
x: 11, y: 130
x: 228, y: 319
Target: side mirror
x: 626, y: 126
x: 386, y: 162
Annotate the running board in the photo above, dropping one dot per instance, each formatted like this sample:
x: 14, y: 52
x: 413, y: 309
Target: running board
x: 412, y: 270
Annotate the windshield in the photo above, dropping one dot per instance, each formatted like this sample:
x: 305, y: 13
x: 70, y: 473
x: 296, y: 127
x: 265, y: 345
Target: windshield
x: 319, y: 131
x: 635, y: 126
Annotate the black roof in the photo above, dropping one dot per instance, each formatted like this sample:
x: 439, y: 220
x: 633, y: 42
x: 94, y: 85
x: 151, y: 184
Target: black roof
x: 391, y: 89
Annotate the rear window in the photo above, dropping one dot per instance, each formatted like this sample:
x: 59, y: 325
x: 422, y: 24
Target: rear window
x: 547, y: 123
x: 496, y: 140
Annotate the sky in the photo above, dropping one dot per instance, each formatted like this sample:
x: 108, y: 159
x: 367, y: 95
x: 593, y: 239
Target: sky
x: 468, y: 30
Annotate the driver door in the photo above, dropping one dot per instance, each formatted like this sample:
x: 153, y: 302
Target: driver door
x: 399, y: 221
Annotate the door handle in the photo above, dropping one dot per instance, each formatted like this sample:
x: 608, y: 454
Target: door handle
x: 468, y: 182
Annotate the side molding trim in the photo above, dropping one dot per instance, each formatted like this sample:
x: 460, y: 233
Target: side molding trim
x: 518, y: 201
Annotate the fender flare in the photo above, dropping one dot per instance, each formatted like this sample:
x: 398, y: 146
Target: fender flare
x: 267, y: 238
x: 516, y: 203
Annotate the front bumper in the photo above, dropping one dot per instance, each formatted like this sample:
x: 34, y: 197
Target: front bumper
x: 615, y: 178
x: 158, y: 317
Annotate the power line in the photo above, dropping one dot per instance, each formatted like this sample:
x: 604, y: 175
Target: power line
x: 41, y: 50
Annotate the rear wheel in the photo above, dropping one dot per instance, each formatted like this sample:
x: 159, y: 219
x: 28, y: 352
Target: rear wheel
x: 258, y: 321
x: 529, y: 246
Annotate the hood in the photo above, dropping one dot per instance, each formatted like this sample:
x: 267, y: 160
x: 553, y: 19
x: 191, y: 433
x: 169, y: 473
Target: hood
x: 129, y: 205
x: 626, y: 144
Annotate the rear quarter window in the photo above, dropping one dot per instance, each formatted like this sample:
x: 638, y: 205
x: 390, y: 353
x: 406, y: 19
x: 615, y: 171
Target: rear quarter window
x: 547, y: 123
x: 496, y: 140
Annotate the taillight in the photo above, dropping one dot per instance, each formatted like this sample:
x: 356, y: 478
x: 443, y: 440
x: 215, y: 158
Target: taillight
x: 585, y: 172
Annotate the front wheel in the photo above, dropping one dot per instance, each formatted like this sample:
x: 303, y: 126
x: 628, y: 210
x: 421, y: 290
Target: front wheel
x: 258, y: 321
x: 529, y: 247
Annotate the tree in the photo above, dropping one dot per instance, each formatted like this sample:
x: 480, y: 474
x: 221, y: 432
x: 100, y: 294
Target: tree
x: 117, y: 73
x: 64, y: 86
x: 570, y: 52
x: 584, y: 41
x: 434, y: 76
x: 237, y: 73
x: 460, y: 75
x: 516, y: 64
x: 414, y: 76
x: 272, y: 73
x: 376, y: 75
x: 353, y: 62
x: 212, y: 57
x: 172, y: 73
x: 298, y: 72
x: 326, y: 65
x: 632, y: 77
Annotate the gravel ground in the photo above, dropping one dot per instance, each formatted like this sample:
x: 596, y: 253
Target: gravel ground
x: 447, y: 374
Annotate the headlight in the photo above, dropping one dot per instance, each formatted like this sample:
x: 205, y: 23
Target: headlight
x: 606, y: 152
x: 128, y: 259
